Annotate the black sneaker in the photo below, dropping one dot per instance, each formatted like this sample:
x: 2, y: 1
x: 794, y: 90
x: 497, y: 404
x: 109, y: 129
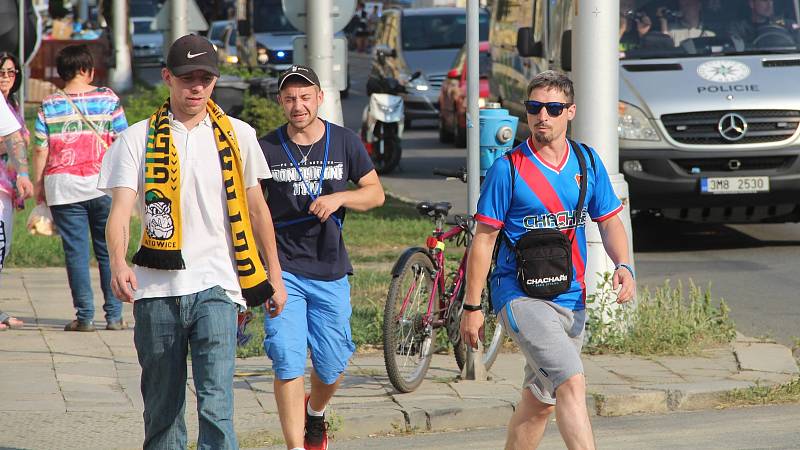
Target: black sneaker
x: 77, y: 325
x: 316, y: 437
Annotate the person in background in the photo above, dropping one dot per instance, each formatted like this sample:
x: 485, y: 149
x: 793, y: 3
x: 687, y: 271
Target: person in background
x: 687, y: 24
x: 14, y: 181
x: 74, y: 128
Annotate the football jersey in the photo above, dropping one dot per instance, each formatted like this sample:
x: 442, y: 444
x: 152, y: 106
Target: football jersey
x: 543, y: 196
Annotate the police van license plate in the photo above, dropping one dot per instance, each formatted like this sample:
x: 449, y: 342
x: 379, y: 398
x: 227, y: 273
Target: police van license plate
x: 734, y: 185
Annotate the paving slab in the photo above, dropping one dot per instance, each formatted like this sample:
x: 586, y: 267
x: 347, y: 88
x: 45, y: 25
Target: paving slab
x: 765, y: 357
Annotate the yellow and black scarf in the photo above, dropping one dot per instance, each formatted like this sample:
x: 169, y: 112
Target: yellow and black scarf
x: 162, y: 231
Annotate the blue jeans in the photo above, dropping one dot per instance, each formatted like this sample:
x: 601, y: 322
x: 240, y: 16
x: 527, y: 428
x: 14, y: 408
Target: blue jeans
x: 75, y: 222
x: 166, y: 329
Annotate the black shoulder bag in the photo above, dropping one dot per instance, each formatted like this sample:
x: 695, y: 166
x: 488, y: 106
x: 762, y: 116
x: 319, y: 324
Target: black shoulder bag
x: 544, y: 256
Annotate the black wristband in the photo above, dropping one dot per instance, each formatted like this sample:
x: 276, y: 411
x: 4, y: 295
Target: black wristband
x: 468, y: 307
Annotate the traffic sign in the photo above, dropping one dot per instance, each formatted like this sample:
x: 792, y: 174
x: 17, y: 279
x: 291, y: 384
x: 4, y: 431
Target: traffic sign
x: 342, y: 12
x: 339, y: 66
x: 195, y: 22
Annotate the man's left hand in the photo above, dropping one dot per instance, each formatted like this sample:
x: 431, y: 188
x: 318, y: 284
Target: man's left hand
x: 622, y: 277
x: 325, y: 205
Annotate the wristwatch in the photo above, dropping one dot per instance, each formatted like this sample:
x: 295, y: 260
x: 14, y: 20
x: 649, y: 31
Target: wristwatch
x: 468, y: 307
x: 626, y: 266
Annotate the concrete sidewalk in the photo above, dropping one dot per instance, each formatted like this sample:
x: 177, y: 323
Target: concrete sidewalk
x: 81, y: 390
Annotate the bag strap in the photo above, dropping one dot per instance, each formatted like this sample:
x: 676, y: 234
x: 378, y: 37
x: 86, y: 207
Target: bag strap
x: 582, y: 196
x: 90, y: 124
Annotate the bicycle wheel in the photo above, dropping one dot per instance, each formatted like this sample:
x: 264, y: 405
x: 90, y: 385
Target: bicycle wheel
x: 493, y: 333
x: 407, y: 341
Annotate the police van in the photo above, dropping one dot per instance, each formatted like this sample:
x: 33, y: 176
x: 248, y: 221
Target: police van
x: 709, y: 103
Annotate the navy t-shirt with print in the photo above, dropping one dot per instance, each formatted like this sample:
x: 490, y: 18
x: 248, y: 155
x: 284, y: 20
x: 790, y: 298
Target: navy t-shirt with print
x: 308, y: 247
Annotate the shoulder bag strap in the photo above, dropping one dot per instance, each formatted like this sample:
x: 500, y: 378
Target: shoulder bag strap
x: 90, y: 124
x: 582, y: 196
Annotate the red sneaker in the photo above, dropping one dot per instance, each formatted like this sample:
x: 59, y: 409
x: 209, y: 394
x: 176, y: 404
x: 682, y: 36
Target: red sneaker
x: 316, y: 436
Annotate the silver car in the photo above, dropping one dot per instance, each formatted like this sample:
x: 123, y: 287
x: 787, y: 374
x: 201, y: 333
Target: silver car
x: 148, y: 43
x: 426, y: 40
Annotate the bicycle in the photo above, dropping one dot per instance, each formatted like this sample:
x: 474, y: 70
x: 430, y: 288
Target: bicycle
x: 424, y: 297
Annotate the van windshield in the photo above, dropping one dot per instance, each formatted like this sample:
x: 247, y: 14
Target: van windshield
x: 433, y: 31
x: 268, y: 17
x: 680, y: 28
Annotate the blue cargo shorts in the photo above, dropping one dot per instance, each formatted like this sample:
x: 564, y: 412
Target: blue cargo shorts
x: 316, y: 318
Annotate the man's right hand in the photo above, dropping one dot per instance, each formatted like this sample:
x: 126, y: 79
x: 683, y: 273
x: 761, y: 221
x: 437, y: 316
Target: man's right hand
x: 38, y: 192
x: 123, y: 282
x: 278, y: 301
x: 472, y: 327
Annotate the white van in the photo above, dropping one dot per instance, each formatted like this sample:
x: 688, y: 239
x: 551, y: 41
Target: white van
x: 709, y: 99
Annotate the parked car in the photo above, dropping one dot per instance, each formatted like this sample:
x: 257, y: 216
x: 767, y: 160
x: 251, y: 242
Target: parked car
x: 453, y: 96
x: 425, y: 40
x: 222, y: 33
x: 148, y: 43
x: 709, y: 121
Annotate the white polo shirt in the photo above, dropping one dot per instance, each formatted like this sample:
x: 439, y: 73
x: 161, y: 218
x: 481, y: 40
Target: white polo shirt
x: 8, y: 123
x: 206, y: 246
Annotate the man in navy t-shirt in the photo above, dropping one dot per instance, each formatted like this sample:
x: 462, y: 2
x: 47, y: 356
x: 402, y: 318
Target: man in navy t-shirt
x: 544, y: 194
x: 311, y: 162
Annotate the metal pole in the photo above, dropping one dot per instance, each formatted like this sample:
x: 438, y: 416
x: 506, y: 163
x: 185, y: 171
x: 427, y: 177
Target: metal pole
x: 319, y: 24
x: 473, y: 369
x: 121, y: 76
x: 179, y: 20
x: 21, y: 59
x: 595, y: 71
x: 83, y: 11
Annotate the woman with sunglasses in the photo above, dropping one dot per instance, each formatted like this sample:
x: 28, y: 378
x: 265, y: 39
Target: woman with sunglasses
x: 15, y: 185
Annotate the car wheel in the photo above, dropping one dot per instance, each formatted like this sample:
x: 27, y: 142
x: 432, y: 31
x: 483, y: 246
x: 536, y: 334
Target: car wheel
x: 459, y: 133
x: 445, y: 135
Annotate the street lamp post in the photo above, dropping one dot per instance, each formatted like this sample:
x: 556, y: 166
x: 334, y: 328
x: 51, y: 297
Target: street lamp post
x: 320, y: 56
x: 595, y: 71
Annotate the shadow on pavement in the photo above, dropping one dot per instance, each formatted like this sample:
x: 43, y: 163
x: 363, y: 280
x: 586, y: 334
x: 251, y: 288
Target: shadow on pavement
x: 653, y: 234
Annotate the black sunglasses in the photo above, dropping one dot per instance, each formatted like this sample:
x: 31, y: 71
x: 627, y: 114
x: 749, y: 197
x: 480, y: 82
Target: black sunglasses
x: 554, y: 109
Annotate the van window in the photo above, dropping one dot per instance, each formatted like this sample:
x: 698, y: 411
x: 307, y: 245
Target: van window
x: 432, y: 31
x: 268, y: 17
x: 679, y: 28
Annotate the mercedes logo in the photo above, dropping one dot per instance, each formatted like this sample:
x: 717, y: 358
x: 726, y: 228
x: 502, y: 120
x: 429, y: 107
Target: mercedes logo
x: 732, y: 127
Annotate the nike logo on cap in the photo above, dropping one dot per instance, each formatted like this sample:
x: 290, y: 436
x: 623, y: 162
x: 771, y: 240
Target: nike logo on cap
x: 190, y: 55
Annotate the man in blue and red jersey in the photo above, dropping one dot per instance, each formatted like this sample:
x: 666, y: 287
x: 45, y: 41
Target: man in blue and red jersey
x: 544, y: 194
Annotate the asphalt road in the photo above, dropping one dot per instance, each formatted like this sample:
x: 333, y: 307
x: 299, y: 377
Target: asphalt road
x: 752, y: 267
x: 767, y: 427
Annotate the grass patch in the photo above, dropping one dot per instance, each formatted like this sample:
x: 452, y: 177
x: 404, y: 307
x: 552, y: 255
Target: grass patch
x: 664, y: 321
x: 254, y: 347
x: 45, y: 251
x: 762, y: 395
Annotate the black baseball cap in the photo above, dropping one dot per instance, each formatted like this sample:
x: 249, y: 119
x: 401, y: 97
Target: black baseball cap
x: 192, y: 52
x: 297, y: 70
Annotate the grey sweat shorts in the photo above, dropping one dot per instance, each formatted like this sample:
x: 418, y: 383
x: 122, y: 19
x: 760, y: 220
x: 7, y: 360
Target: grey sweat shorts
x: 550, y: 337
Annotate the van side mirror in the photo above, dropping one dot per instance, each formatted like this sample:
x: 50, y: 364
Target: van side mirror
x: 525, y: 44
x: 415, y: 75
x: 566, y: 51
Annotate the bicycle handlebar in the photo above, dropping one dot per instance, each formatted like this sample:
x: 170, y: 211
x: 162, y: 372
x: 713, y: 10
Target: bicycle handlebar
x: 459, y: 174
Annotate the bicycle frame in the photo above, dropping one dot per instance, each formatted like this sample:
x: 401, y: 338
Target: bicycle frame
x: 435, y: 246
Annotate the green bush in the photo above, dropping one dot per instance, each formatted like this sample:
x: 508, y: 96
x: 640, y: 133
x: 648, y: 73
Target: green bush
x: 662, y: 322
x: 144, y: 101
x: 262, y: 114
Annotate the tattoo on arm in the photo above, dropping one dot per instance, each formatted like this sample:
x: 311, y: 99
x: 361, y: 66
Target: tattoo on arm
x: 17, y: 153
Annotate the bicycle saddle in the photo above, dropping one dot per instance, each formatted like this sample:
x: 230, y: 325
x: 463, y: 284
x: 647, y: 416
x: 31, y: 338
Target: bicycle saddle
x: 434, y: 209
